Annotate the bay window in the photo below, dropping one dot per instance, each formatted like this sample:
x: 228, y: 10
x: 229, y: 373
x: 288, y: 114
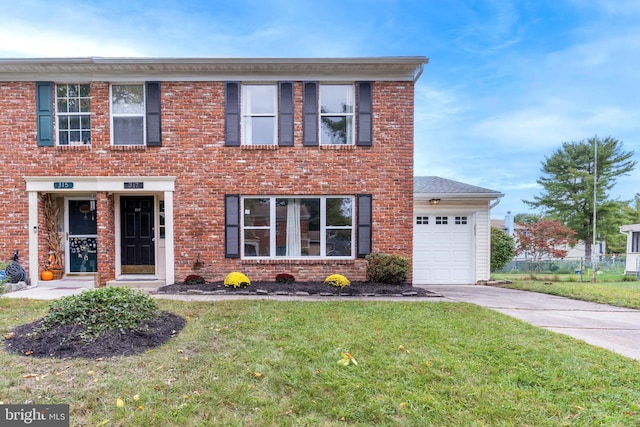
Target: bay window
x: 297, y: 227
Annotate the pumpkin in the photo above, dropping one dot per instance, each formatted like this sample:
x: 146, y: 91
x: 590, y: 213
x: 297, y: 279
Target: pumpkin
x: 47, y: 275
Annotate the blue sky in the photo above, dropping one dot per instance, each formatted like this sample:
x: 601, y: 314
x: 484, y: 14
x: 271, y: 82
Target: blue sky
x: 507, y: 83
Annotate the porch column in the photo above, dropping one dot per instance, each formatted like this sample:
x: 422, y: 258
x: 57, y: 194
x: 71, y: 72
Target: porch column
x: 33, y: 238
x: 169, y: 246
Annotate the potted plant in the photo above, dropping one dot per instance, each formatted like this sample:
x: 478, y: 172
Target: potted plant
x: 54, y: 267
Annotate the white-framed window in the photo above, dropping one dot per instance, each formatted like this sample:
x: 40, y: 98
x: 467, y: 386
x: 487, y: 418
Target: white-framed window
x: 298, y: 227
x: 422, y: 220
x: 461, y: 220
x: 336, y: 114
x: 128, y: 114
x: 73, y: 113
x: 259, y: 108
x: 635, y: 241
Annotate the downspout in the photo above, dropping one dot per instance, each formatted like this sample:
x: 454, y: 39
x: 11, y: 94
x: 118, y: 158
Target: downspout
x: 494, y: 204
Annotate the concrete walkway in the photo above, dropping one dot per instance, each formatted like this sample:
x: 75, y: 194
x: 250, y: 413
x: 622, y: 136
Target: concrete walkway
x: 614, y: 328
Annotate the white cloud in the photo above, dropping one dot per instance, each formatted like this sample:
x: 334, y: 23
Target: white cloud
x: 19, y: 40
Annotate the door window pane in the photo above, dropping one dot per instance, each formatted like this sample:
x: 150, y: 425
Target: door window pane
x: 82, y: 217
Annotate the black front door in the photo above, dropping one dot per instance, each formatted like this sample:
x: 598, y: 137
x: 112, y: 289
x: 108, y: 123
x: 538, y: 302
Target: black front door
x: 138, y: 253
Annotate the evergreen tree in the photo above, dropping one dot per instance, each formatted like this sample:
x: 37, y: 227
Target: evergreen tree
x: 568, y: 182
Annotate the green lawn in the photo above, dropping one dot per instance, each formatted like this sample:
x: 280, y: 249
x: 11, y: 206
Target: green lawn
x: 271, y: 363
x: 621, y: 294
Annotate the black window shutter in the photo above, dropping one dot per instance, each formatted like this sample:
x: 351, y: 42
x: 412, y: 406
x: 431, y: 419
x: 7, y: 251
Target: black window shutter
x: 365, y: 220
x: 285, y: 111
x: 310, y: 135
x: 44, y: 113
x: 154, y: 129
x: 232, y: 225
x: 365, y: 114
x: 232, y: 114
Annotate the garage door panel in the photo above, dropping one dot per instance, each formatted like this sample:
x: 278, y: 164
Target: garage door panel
x: 441, y: 256
x: 443, y: 253
x: 460, y: 237
x: 440, y: 238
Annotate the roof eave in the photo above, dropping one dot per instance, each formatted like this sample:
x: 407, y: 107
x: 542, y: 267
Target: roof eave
x: 404, y: 68
x: 458, y: 196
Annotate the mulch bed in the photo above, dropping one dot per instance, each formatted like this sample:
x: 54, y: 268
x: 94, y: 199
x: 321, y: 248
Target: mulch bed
x: 366, y: 289
x: 64, y: 341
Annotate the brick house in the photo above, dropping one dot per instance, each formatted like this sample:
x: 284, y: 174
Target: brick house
x: 154, y: 169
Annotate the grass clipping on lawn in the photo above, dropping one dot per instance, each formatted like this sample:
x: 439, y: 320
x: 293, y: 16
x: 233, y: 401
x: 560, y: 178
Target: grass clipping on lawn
x: 97, y: 323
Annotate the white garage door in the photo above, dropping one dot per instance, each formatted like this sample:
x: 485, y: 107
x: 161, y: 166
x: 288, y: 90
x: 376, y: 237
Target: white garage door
x: 443, y: 249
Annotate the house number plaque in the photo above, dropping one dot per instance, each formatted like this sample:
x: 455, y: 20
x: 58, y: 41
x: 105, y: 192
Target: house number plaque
x: 129, y: 185
x: 62, y: 185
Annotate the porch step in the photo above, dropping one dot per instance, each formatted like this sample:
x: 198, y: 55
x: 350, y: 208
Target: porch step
x: 147, y: 285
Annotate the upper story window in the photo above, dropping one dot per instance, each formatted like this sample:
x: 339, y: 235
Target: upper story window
x: 259, y: 108
x: 336, y: 114
x: 128, y: 114
x: 73, y: 113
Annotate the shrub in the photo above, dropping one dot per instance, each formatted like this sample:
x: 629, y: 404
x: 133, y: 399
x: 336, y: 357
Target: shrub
x: 629, y: 278
x: 236, y: 280
x: 194, y: 279
x: 337, y: 280
x: 383, y: 268
x: 285, y: 278
x: 502, y: 248
x: 100, y: 310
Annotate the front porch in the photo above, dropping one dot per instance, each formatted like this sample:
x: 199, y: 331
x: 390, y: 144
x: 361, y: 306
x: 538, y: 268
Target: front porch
x: 108, y: 230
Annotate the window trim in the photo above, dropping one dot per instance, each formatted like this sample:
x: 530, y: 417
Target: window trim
x: 244, y: 114
x: 322, y: 232
x: 351, y: 137
x: 635, y: 241
x: 58, y: 114
x: 143, y: 114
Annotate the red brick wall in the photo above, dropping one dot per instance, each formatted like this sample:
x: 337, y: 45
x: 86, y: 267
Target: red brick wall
x: 193, y: 150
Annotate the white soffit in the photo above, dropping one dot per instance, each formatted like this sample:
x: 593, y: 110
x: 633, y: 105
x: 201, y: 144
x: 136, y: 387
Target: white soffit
x: 402, y: 68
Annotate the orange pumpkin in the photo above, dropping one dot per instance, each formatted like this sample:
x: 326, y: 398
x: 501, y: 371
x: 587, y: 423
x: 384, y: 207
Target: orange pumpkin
x: 47, y: 275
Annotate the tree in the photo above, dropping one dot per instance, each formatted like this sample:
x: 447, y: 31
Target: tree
x: 568, y: 182
x: 526, y: 218
x: 502, y: 248
x: 629, y: 213
x: 545, y: 238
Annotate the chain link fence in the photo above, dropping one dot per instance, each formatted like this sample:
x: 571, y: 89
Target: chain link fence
x: 613, y: 264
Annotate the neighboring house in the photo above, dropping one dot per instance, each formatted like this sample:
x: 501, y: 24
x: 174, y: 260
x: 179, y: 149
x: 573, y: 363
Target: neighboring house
x: 153, y: 169
x: 633, y: 248
x: 452, y: 231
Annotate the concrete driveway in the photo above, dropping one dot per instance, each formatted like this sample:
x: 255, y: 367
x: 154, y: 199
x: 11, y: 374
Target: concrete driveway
x: 614, y: 328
